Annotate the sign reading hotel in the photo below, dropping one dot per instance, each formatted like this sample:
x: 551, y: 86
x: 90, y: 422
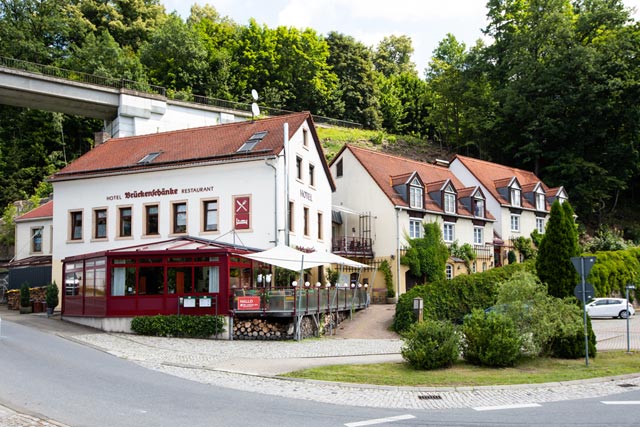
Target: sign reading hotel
x: 248, y: 303
x: 242, y: 212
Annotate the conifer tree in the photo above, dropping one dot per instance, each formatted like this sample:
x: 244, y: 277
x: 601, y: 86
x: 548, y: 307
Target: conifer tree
x: 558, y: 245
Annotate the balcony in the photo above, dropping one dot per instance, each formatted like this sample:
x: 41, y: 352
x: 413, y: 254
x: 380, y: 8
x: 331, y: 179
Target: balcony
x: 356, y: 247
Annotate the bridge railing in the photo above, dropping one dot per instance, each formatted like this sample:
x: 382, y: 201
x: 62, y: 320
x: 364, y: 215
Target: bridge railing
x: 78, y: 76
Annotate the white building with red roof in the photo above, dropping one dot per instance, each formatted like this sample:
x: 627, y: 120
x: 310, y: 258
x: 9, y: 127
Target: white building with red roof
x: 519, y: 200
x: 381, y: 200
x: 249, y: 184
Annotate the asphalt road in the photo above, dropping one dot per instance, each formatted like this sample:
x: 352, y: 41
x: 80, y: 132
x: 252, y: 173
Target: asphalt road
x: 51, y: 377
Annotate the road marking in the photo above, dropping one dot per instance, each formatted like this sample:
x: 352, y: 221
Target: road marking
x: 380, y: 421
x: 621, y: 402
x: 498, y: 408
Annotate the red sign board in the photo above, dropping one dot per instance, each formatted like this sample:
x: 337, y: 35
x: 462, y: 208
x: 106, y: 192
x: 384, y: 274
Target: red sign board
x: 242, y: 210
x: 248, y: 303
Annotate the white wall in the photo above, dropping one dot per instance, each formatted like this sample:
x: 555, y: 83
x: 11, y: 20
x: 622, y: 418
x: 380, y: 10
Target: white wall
x: 24, y: 231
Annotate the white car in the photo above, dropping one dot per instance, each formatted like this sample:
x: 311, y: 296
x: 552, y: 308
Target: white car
x: 610, y: 307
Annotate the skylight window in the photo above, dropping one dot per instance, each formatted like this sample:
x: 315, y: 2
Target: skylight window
x: 149, y: 157
x: 252, y: 142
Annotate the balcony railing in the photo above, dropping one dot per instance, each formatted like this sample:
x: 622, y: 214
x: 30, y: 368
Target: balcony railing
x: 353, y: 246
x: 298, y: 301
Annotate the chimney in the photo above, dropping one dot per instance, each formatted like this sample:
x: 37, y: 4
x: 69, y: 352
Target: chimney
x: 100, y: 137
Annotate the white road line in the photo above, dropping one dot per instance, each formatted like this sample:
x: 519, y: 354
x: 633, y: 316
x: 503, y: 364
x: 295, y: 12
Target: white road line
x: 498, y: 408
x: 379, y: 421
x: 621, y: 402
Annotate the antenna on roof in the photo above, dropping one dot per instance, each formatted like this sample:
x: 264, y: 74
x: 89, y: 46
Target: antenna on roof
x: 255, y: 110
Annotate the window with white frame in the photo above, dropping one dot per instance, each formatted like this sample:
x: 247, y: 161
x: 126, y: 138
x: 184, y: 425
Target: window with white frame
x: 540, y: 202
x: 478, y: 238
x: 415, y: 228
x: 515, y: 223
x: 478, y: 209
x: 415, y: 194
x: 448, y: 232
x: 449, y: 202
x: 449, y: 271
x: 540, y: 225
x: 515, y: 196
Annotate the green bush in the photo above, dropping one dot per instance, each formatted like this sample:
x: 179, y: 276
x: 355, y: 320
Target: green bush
x: 490, y: 339
x: 388, y: 278
x: 25, y: 295
x: 452, y: 299
x: 431, y: 344
x: 572, y: 346
x: 178, y: 326
x: 51, y: 295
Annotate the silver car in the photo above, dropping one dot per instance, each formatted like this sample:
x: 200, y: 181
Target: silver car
x: 610, y: 307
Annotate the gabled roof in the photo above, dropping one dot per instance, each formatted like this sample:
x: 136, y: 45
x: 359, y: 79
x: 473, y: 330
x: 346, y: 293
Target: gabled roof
x: 493, y: 176
x: 383, y: 168
x: 43, y: 211
x: 217, y: 143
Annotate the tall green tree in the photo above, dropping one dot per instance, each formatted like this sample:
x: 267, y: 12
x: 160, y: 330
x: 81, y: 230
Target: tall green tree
x: 558, y: 245
x: 352, y: 63
x: 427, y: 256
x: 393, y: 56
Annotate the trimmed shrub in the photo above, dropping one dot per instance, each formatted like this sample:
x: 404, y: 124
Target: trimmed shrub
x: 452, y: 299
x: 572, y: 346
x: 431, y: 344
x: 178, y: 326
x: 25, y: 295
x: 490, y: 339
x: 51, y: 295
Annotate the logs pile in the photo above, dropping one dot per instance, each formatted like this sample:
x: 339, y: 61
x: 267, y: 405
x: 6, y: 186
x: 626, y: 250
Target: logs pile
x: 261, y: 329
x: 13, y: 297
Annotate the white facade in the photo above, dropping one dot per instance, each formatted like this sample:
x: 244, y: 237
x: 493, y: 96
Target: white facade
x: 33, y: 238
x: 257, y: 184
x: 142, y: 116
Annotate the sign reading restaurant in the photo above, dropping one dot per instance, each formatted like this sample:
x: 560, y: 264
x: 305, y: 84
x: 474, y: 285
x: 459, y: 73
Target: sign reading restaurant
x: 159, y: 192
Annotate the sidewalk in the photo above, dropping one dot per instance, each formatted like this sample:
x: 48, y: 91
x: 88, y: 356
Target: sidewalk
x: 254, y: 366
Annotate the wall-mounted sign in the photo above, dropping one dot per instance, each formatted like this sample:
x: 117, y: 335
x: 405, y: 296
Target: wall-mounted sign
x: 242, y: 212
x: 159, y: 192
x: 248, y: 303
x: 306, y: 195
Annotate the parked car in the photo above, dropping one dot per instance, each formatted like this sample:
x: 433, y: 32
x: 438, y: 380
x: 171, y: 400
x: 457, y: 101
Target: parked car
x: 609, y: 307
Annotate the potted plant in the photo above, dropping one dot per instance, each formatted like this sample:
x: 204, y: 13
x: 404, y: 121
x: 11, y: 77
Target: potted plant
x: 51, y: 298
x: 25, y: 299
x: 388, y: 281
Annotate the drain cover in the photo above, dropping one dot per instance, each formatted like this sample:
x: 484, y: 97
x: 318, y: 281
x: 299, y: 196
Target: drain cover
x: 429, y: 397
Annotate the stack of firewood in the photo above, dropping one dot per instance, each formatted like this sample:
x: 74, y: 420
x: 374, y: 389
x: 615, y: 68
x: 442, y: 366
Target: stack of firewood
x: 13, y: 297
x: 261, y: 329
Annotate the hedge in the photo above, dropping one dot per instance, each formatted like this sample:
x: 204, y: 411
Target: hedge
x: 614, y: 270
x: 178, y: 326
x: 452, y: 299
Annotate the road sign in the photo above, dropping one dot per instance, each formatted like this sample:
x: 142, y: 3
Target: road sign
x: 579, y: 265
x: 589, y: 291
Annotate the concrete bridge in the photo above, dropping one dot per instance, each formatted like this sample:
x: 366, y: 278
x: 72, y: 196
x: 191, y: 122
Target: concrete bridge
x: 127, y: 108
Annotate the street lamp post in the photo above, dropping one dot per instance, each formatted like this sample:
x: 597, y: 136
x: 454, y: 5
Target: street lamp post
x: 629, y: 286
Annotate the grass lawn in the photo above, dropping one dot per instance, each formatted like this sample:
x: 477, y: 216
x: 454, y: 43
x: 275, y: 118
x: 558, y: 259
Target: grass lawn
x: 530, y: 371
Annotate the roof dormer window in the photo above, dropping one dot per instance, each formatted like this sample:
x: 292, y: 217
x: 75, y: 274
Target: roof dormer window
x: 515, y: 194
x: 541, y: 202
x: 449, y: 201
x: 478, y: 208
x: 416, y: 194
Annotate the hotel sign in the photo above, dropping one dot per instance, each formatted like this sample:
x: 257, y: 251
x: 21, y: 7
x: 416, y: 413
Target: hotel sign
x: 159, y: 192
x: 242, y: 212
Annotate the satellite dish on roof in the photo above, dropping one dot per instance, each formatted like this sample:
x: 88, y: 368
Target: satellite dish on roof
x: 255, y: 110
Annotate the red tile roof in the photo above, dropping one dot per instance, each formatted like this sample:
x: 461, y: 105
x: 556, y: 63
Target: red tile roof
x: 43, y: 211
x: 385, y: 169
x: 493, y: 176
x: 196, y: 145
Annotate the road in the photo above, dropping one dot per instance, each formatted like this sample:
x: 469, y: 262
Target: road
x: 45, y: 375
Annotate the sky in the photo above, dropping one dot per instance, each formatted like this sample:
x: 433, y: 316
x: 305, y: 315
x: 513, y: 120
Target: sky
x: 427, y: 22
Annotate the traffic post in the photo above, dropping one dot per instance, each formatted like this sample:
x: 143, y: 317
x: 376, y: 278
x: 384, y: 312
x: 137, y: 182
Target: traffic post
x: 629, y: 286
x: 583, y: 265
